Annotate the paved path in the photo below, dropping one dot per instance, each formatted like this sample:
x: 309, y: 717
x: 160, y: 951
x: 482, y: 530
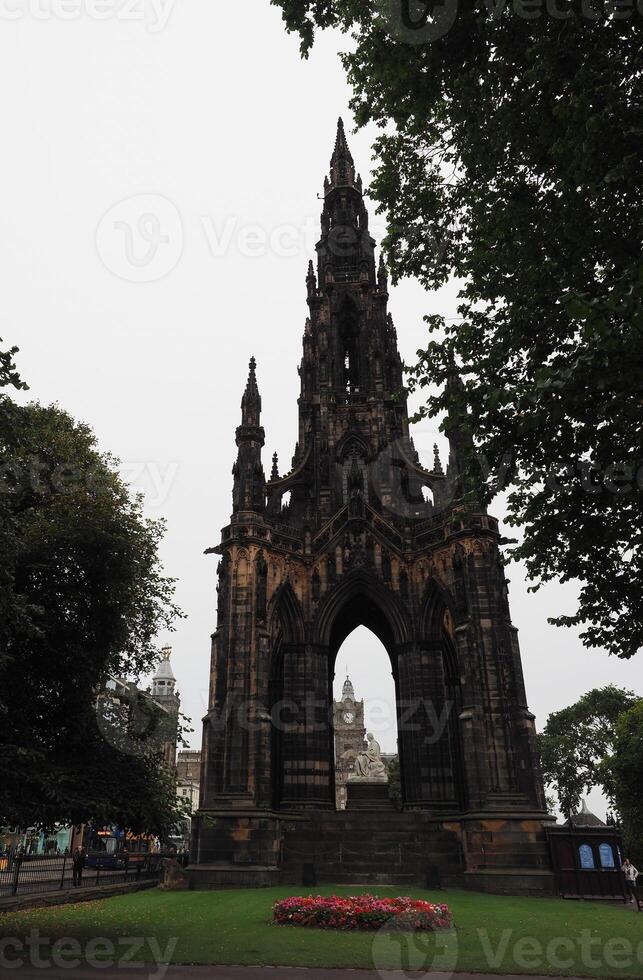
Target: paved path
x: 248, y: 973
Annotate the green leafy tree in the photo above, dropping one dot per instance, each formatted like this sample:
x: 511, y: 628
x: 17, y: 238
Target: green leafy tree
x: 13, y: 614
x: 87, y: 596
x: 577, y: 740
x: 9, y: 375
x: 510, y: 157
x: 622, y: 773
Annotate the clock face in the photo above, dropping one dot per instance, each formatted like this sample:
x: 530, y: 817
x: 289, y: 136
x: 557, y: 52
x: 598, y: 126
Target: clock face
x: 348, y: 717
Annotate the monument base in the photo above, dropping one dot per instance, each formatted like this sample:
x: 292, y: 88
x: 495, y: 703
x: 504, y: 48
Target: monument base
x: 367, y: 794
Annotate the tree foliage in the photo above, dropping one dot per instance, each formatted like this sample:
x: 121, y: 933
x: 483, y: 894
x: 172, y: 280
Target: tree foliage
x: 622, y: 772
x: 84, y: 596
x: 9, y: 375
x: 510, y: 157
x: 577, y: 740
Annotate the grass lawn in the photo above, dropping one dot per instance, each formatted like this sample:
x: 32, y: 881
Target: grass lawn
x: 493, y: 934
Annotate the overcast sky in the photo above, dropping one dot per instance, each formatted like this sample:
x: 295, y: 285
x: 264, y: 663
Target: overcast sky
x: 160, y: 171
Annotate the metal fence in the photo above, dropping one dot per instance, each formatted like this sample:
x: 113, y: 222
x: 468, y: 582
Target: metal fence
x: 32, y: 875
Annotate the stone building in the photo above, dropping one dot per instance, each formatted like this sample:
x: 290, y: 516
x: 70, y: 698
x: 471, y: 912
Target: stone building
x: 188, y: 775
x: 358, y: 532
x: 348, y: 726
x: 165, y: 694
x: 188, y: 765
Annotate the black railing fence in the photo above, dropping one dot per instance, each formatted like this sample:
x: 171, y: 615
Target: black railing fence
x: 25, y: 875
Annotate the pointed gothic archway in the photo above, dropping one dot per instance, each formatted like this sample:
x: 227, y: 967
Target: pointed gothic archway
x: 427, y: 693
x: 363, y: 701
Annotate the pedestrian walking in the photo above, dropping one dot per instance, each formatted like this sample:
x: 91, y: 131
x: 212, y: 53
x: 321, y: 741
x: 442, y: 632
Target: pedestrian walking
x: 631, y: 874
x: 78, y: 864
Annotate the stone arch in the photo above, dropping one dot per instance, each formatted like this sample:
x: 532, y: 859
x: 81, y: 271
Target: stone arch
x: 436, y: 600
x: 352, y: 442
x: 360, y: 598
x: 241, y: 569
x: 285, y: 615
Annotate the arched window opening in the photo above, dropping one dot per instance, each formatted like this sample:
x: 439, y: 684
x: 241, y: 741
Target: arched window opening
x: 427, y: 495
x: 348, y: 321
x: 586, y: 857
x: 606, y: 855
x: 351, y: 369
x: 364, y: 702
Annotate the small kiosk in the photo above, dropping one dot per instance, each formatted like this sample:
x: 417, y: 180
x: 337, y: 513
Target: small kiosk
x: 586, y: 856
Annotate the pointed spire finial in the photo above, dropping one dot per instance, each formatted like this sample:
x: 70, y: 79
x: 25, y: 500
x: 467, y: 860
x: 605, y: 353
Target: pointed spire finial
x: 342, y: 167
x: 341, y: 151
x: 251, y: 401
x: 275, y: 467
x: 311, y: 279
x: 437, y: 462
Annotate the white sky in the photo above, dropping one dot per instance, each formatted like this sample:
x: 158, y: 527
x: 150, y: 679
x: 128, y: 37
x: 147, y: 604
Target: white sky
x: 204, y: 115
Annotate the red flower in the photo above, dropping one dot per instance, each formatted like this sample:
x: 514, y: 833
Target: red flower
x: 362, y: 912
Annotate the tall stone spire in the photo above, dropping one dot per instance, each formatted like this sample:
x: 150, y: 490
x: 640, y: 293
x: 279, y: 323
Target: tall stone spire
x: 346, y: 251
x: 251, y: 401
x: 342, y: 166
x: 249, y: 490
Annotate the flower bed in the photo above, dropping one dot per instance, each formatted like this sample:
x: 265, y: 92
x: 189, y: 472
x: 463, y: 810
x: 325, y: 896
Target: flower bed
x: 362, y: 912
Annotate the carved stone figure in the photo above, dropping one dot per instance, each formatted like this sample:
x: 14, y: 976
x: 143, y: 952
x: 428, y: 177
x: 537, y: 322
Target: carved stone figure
x: 368, y: 764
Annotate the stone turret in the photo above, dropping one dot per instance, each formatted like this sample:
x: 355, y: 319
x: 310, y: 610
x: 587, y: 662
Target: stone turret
x: 249, y: 489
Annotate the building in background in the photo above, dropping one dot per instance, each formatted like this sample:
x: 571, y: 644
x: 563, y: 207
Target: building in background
x: 123, y: 710
x: 127, y: 714
x: 188, y: 772
x: 165, y: 694
x: 350, y: 732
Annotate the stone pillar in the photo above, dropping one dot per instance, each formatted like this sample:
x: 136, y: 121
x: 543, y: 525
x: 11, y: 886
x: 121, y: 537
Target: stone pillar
x: 424, y: 730
x: 306, y: 737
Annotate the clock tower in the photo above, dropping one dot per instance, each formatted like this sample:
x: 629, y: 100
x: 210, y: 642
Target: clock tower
x: 348, y: 724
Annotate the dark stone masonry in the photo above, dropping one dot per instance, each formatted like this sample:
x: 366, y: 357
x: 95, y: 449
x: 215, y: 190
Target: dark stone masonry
x: 358, y: 532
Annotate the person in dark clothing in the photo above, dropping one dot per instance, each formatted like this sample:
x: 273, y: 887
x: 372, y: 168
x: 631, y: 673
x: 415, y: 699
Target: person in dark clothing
x: 78, y: 863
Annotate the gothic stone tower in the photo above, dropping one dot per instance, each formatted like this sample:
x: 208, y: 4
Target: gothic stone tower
x: 345, y: 538
x: 350, y: 738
